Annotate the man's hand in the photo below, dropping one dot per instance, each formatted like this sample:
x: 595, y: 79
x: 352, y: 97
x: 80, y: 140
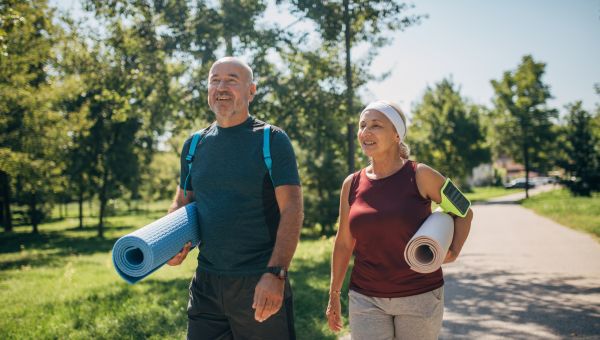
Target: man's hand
x: 334, y: 312
x: 178, y: 259
x: 268, y: 296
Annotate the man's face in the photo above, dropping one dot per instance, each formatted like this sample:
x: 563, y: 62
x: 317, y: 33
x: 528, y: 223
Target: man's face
x: 230, y: 90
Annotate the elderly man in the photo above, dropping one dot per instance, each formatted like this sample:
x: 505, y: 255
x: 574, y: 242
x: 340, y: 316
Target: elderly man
x: 249, y: 218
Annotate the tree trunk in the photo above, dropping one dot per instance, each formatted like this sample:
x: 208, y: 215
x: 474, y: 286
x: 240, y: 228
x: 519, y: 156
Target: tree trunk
x: 229, y: 45
x: 80, y: 203
x: 526, y: 158
x: 33, y: 213
x: 349, y: 86
x: 103, y: 200
x: 5, y: 214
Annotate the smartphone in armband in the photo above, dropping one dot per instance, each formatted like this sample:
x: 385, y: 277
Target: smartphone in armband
x: 453, y: 200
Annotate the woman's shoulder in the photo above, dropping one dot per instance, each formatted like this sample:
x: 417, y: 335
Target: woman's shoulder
x: 424, y: 170
x: 429, y: 181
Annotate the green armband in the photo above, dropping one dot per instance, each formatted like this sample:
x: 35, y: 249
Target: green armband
x: 453, y: 201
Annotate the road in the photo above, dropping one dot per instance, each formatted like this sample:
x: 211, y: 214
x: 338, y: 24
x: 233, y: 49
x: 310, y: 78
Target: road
x: 522, y: 276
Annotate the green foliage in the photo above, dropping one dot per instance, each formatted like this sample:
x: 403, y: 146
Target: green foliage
x: 344, y: 24
x: 447, y: 133
x: 583, y: 152
x: 313, y: 117
x: 30, y: 138
x: 158, y: 181
x: 522, y: 119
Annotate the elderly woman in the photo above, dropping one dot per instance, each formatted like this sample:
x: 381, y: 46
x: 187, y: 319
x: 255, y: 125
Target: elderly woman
x: 381, y: 208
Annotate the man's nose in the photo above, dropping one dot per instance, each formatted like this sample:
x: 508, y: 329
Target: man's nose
x: 222, y: 84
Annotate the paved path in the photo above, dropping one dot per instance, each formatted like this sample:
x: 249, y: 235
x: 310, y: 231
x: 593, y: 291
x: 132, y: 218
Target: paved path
x: 522, y: 276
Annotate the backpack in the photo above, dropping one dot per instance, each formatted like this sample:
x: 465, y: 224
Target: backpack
x: 198, y: 136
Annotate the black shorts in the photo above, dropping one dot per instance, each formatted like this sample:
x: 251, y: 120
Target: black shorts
x: 220, y: 307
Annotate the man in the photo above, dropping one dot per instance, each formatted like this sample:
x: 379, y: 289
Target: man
x: 249, y: 220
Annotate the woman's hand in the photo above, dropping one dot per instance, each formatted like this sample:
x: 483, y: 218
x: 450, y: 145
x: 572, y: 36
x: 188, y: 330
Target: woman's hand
x: 334, y: 312
x: 450, y: 256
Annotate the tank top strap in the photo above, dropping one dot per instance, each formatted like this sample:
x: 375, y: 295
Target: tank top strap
x: 354, y: 186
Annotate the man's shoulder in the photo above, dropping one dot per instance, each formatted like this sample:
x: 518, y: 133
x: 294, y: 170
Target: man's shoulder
x: 259, y: 125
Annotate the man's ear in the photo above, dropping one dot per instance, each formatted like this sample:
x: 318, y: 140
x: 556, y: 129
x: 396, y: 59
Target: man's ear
x: 252, y: 91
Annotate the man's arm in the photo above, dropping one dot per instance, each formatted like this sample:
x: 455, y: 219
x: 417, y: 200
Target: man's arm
x: 268, y: 295
x: 179, y: 201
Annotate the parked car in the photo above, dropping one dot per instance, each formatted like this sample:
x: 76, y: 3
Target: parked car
x: 541, y: 180
x: 519, y: 183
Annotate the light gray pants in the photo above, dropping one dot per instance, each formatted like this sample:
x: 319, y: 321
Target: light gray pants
x: 410, y: 317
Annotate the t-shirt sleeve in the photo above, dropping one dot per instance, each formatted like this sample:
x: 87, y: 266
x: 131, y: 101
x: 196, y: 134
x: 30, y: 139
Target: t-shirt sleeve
x: 183, y: 173
x: 284, y: 168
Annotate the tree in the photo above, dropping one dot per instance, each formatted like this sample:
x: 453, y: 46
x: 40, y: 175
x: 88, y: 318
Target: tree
x: 446, y: 132
x: 355, y: 22
x: 29, y: 128
x: 310, y: 101
x: 523, y: 116
x: 582, y: 151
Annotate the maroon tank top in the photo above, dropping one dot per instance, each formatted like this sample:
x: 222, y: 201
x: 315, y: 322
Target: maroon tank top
x: 384, y: 215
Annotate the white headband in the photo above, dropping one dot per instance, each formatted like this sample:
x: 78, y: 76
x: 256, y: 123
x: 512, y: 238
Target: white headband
x: 391, y: 114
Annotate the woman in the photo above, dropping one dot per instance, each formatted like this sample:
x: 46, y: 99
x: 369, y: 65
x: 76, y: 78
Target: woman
x: 381, y: 208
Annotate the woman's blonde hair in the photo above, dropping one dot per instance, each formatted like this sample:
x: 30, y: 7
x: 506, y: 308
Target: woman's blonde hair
x: 404, y: 148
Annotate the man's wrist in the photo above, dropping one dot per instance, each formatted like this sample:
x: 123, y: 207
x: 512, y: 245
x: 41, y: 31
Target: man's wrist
x: 279, y: 272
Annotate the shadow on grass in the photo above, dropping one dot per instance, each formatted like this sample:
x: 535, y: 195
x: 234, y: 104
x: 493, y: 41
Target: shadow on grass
x: 51, y: 248
x: 500, y: 304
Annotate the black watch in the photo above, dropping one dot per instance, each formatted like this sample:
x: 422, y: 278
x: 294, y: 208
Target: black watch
x: 280, y: 272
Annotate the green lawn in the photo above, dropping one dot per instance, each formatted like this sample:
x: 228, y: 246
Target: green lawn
x: 61, y: 284
x: 484, y: 193
x: 582, y: 213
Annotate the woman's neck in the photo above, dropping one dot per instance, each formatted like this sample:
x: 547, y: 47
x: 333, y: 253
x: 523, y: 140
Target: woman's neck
x: 385, y: 166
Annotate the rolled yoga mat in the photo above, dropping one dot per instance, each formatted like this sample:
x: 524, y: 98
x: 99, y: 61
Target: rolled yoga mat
x: 426, y: 250
x: 140, y: 253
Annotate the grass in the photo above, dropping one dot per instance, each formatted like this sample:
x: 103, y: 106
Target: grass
x: 484, y: 193
x: 61, y: 284
x: 581, y: 213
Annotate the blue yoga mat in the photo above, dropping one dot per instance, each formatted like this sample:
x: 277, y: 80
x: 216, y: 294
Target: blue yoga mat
x: 140, y: 253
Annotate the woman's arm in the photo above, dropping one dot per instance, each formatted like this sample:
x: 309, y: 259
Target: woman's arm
x: 430, y: 183
x: 342, y: 251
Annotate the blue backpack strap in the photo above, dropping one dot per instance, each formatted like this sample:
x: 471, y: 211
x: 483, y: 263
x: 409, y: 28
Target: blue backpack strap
x: 267, y: 149
x: 196, y: 138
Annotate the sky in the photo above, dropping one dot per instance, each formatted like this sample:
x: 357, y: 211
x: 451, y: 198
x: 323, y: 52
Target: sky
x: 475, y: 41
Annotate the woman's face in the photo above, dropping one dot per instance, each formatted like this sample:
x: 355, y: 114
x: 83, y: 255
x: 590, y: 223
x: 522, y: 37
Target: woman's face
x: 376, y: 133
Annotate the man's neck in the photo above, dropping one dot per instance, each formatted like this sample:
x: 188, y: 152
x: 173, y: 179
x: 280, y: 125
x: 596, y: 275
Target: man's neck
x: 231, y: 121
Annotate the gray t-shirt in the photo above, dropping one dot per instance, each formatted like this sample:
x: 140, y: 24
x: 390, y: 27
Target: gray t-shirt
x: 235, y: 195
